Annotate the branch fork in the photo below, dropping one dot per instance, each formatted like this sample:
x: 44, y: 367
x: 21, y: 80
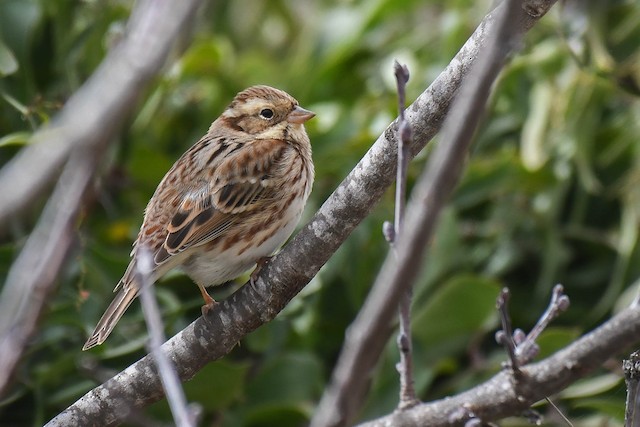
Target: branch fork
x: 520, y: 347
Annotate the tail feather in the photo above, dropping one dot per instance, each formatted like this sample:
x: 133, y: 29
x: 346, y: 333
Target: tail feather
x: 122, y: 301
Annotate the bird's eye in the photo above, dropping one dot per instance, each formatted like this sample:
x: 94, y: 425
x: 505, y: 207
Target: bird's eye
x: 266, y: 113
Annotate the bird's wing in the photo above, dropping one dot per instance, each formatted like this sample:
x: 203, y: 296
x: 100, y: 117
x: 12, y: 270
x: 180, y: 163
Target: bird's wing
x: 243, y: 181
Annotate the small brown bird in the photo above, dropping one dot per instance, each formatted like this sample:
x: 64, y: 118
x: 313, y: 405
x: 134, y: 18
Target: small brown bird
x: 229, y: 201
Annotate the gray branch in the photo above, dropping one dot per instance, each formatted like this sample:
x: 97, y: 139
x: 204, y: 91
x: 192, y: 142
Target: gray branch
x: 183, y: 415
x: 211, y: 338
x: 504, y: 396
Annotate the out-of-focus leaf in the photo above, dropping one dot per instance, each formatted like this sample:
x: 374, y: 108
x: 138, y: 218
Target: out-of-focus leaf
x: 497, y: 175
x: 627, y: 297
x: 607, y: 407
x: 217, y: 385
x: 16, y: 138
x: 266, y: 339
x: 442, y: 255
x: 591, y: 386
x: 281, y: 393
x: 554, y: 339
x: 8, y: 62
x: 461, y: 308
x: 18, y: 21
x: 276, y: 415
x: 292, y: 379
x: 66, y: 394
x: 534, y: 151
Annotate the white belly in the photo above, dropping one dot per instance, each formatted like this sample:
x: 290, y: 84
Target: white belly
x: 215, y: 269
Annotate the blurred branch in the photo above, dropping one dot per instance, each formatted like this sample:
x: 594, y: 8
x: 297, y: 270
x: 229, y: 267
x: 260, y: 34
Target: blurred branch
x: 84, y: 128
x: 502, y: 396
x: 32, y: 275
x: 368, y: 333
x: 183, y: 415
x: 211, y: 338
x: 96, y: 112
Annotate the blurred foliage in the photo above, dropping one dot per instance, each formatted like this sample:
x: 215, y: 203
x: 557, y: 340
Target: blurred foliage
x: 551, y: 193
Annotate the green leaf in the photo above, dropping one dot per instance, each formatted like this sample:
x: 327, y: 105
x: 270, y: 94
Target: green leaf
x: 8, y: 61
x: 461, y: 308
x: 291, y: 378
x: 276, y: 415
x: 591, y: 386
x: 603, y: 406
x: 554, y: 339
x: 534, y: 133
x: 217, y: 385
x: 15, y: 138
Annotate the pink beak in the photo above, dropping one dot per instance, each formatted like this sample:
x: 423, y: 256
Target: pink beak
x: 300, y: 115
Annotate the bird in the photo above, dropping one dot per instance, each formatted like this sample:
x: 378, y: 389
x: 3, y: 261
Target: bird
x: 228, y: 203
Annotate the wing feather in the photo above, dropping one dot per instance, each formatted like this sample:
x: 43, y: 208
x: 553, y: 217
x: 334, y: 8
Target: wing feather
x: 241, y: 182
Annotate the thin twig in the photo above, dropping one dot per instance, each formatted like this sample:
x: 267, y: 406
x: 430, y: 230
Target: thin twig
x: 631, y: 369
x: 527, y: 350
x: 405, y: 139
x: 504, y: 337
x: 183, y: 415
x: 558, y: 411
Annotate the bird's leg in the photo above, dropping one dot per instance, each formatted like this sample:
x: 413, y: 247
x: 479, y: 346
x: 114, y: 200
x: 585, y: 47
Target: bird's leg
x: 256, y: 271
x: 209, y: 302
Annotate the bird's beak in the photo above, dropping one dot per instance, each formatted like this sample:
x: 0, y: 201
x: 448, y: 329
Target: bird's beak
x: 299, y: 115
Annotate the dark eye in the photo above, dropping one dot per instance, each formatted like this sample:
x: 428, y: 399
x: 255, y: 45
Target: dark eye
x: 266, y: 113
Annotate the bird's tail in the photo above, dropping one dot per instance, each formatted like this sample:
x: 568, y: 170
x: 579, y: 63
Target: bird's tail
x: 122, y: 301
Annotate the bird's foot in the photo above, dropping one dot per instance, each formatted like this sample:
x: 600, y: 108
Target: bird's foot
x: 256, y: 271
x: 209, y: 302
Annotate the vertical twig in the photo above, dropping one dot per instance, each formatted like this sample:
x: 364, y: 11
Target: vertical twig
x: 631, y: 368
x: 183, y: 415
x: 405, y: 367
x: 505, y: 336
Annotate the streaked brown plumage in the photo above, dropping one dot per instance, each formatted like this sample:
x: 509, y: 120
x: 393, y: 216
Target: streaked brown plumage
x: 230, y: 200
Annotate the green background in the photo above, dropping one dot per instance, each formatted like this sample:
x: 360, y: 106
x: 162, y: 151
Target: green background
x: 551, y: 194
